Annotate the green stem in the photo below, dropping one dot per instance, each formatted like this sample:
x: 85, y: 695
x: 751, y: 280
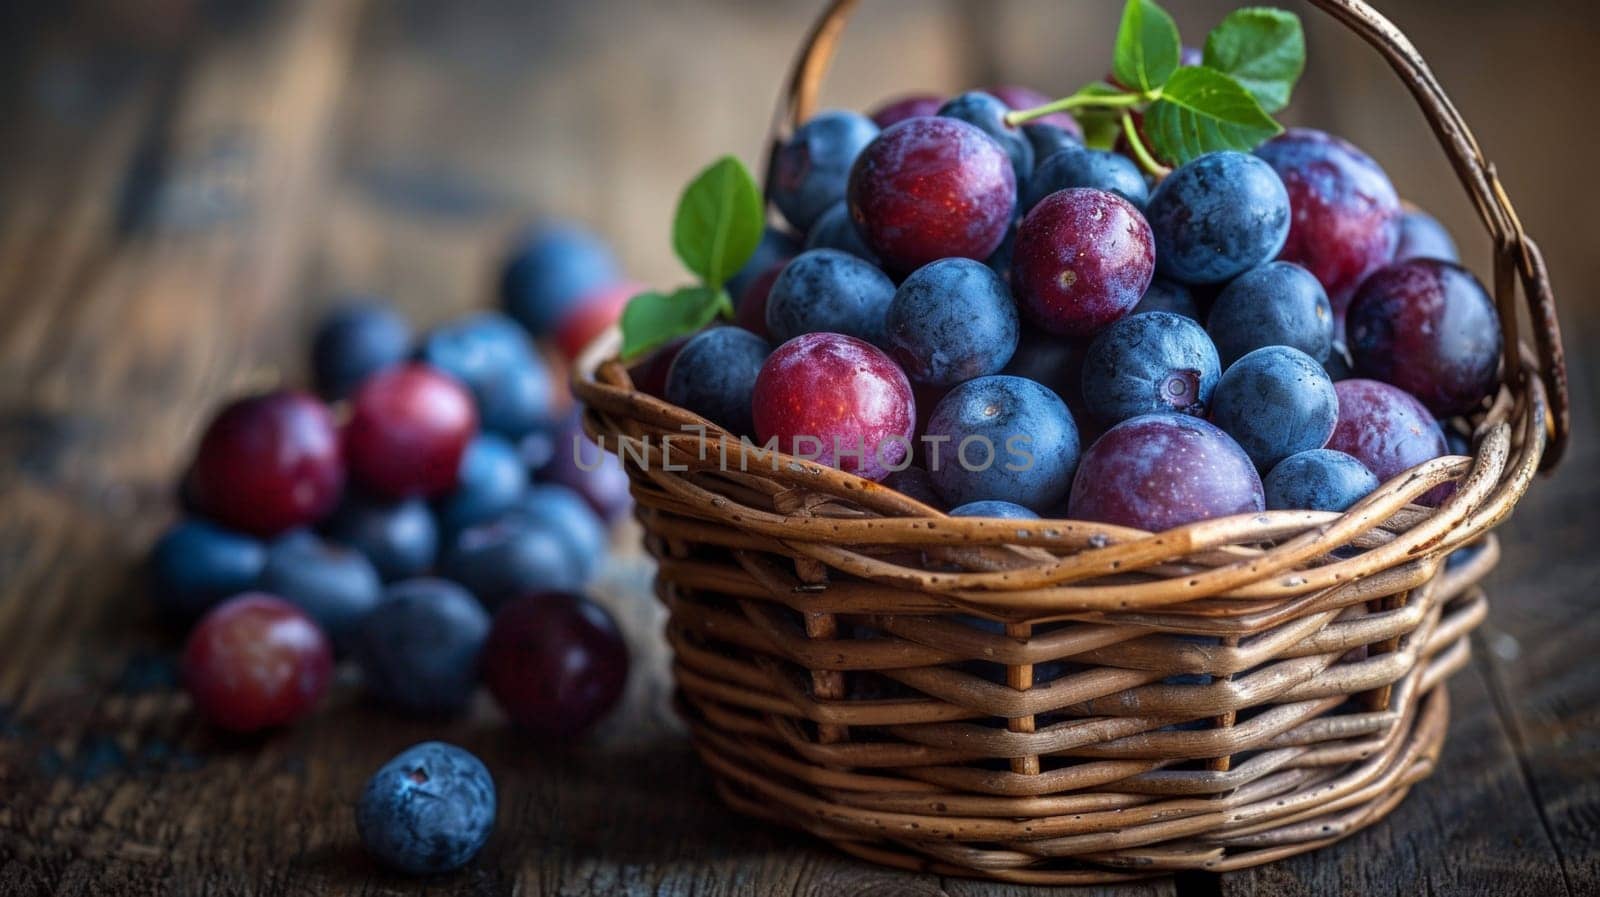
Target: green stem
x: 1136, y: 143
x: 1079, y: 100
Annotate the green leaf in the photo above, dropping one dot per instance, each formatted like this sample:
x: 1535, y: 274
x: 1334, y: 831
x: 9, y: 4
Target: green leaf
x: 1263, y: 49
x: 1201, y: 110
x: 1148, y: 49
x: 653, y: 318
x: 719, y: 221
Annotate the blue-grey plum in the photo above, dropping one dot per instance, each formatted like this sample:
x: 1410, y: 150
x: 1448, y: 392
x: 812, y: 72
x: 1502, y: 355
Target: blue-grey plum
x: 335, y: 585
x: 1276, y: 402
x: 1217, y: 217
x: 1003, y: 438
x: 950, y: 321
x: 196, y: 564
x: 492, y: 477
x: 1276, y: 304
x: 400, y: 537
x: 511, y: 556
x: 811, y: 168
x: 1002, y: 509
x: 492, y: 356
x: 1080, y: 167
x: 715, y: 374
x: 550, y: 270
x: 1149, y: 363
x: 564, y: 512
x: 428, y: 810
x: 1318, y: 480
x: 828, y: 291
x: 419, y: 648
x: 354, y: 341
x: 988, y: 113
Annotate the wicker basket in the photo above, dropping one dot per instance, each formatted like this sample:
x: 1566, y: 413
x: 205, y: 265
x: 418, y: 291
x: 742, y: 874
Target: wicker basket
x: 1225, y: 693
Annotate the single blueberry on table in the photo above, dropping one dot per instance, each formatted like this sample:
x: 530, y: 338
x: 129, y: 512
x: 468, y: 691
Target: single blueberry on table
x: 1148, y: 363
x: 1276, y: 304
x: 196, y: 564
x: 419, y: 649
x: 1160, y: 471
x: 1080, y: 167
x: 1318, y: 480
x: 811, y: 168
x: 562, y: 511
x: 835, y: 230
x: 492, y: 477
x: 354, y: 341
x: 776, y: 246
x: 400, y: 538
x: 335, y: 585
x: 828, y: 291
x: 511, y: 556
x: 1217, y: 217
x: 1002, y: 509
x: 429, y: 810
x: 1423, y: 237
x: 491, y: 355
x: 1003, y: 438
x: 550, y: 270
x: 987, y: 113
x: 715, y: 376
x: 1276, y: 402
x: 1168, y: 295
x: 950, y: 321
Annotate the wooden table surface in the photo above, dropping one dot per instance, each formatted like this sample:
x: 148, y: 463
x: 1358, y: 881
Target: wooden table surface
x: 182, y: 186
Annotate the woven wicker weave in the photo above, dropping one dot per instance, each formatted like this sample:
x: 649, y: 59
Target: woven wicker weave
x: 1219, y: 695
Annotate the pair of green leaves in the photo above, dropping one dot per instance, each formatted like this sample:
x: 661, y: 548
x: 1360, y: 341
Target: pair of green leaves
x: 1248, y: 71
x: 716, y: 229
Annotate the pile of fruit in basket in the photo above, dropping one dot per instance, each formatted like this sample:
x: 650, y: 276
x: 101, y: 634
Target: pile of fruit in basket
x: 1164, y: 310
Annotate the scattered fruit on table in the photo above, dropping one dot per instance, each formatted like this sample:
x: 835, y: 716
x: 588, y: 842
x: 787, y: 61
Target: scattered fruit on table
x: 256, y: 661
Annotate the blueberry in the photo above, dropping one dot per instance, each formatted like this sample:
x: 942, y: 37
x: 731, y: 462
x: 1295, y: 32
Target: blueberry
x: 988, y: 113
x: 1003, y: 509
x: 562, y: 511
x: 1276, y: 402
x: 1318, y: 480
x: 354, y: 341
x: 1002, y: 438
x: 811, y: 168
x: 196, y: 564
x: 428, y: 810
x: 715, y: 375
x: 1217, y: 217
x: 1150, y: 363
x: 835, y: 230
x: 400, y: 538
x: 828, y: 291
x: 1276, y: 304
x: 1422, y: 236
x: 1168, y: 295
x: 914, y: 482
x: 550, y: 271
x: 509, y: 556
x: 492, y: 477
x: 1079, y: 167
x: 1048, y: 139
x: 775, y: 246
x: 950, y: 321
x: 418, y: 650
x: 335, y: 585
x: 491, y: 355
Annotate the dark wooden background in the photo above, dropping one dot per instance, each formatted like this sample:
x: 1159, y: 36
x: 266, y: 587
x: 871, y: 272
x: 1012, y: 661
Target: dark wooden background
x: 183, y: 184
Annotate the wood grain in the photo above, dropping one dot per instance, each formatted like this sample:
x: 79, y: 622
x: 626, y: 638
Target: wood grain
x: 183, y: 186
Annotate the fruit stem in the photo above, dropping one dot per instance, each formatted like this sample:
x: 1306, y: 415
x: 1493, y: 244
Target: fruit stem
x: 1079, y: 100
x: 1136, y: 143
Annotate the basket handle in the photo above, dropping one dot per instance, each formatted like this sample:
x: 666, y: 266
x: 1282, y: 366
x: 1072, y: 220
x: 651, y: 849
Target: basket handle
x: 1517, y: 259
